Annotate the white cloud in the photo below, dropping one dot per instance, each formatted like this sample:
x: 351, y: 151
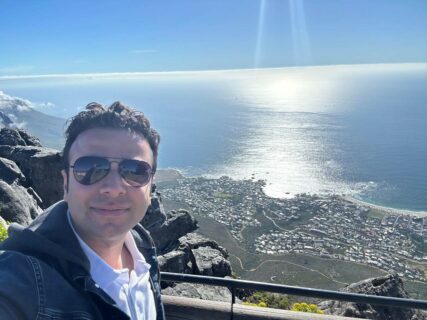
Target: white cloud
x: 13, y: 106
x: 9, y: 102
x: 422, y: 67
x: 19, y: 104
x: 19, y: 125
x: 15, y: 123
x: 43, y: 105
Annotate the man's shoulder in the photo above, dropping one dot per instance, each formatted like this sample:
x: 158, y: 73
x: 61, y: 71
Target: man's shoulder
x: 30, y: 287
x: 13, y: 262
x: 22, y: 271
x: 19, y: 268
x: 17, y: 283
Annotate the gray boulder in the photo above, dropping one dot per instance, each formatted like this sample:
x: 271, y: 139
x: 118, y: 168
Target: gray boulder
x: 41, y: 168
x: 17, y: 137
x: 10, y: 172
x: 199, y: 291
x: 178, y: 224
x: 155, y: 215
x: 194, y: 240
x: 210, y: 262
x: 17, y: 204
x: 197, y: 255
x: 176, y: 261
x: 390, y: 285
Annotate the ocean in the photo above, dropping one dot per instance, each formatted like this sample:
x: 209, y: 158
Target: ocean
x: 358, y: 130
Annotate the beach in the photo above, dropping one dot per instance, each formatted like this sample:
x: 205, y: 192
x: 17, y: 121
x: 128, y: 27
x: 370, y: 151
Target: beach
x: 387, y: 210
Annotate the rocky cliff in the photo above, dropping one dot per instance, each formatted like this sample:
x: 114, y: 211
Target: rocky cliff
x: 20, y: 113
x: 390, y: 285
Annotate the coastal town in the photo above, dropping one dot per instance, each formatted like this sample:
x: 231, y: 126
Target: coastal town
x: 326, y: 226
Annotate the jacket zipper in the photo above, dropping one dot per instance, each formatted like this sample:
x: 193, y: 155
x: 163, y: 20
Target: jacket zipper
x: 154, y: 296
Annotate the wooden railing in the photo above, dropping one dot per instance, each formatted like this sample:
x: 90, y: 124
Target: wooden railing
x: 234, y: 284
x: 180, y: 308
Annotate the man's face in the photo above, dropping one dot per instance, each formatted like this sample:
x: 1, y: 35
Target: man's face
x: 106, y: 210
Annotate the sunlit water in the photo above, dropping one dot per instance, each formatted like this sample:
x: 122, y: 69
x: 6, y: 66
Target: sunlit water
x: 358, y: 130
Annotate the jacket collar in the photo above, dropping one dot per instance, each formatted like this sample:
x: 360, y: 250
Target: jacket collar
x: 53, y: 224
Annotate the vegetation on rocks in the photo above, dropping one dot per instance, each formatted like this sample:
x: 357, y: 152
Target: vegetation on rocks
x: 3, y: 232
x: 305, y: 307
x: 279, y: 301
x: 269, y: 300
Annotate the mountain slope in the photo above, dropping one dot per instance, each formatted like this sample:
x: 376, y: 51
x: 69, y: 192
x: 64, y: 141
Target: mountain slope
x: 20, y: 113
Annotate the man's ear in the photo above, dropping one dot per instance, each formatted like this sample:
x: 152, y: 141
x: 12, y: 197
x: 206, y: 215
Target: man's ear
x: 65, y: 183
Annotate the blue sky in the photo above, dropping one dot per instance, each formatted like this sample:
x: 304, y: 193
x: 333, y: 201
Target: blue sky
x: 80, y: 36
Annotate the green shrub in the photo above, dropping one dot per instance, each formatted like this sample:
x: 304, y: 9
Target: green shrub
x: 3, y: 232
x: 266, y: 299
x: 305, y: 307
x: 250, y: 304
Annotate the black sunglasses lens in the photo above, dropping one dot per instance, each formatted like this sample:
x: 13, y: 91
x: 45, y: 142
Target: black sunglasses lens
x: 135, y: 172
x: 89, y: 170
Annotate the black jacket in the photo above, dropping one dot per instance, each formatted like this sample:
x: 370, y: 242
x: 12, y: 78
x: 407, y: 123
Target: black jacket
x: 44, y: 274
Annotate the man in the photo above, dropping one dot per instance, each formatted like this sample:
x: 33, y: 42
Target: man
x: 87, y: 257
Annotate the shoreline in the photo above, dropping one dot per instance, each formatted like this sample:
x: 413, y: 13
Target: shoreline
x: 173, y: 174
x: 384, y: 209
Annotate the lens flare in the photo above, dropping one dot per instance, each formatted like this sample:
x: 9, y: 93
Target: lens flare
x: 300, y: 39
x: 259, y: 34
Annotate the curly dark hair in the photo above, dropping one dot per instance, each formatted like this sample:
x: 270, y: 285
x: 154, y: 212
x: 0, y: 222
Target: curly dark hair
x: 115, y: 116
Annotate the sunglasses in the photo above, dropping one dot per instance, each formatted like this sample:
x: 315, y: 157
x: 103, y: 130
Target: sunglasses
x: 91, y: 169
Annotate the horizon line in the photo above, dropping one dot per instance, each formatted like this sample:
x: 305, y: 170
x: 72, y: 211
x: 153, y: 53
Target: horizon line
x: 176, y: 72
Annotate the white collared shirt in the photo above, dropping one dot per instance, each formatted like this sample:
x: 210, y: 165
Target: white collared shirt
x: 131, y: 291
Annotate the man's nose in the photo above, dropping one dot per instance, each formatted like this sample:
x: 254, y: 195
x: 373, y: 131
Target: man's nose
x: 113, y: 184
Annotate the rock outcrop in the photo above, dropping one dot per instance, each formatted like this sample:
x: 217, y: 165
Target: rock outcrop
x: 10, y: 172
x: 17, y: 137
x: 390, y: 285
x: 41, y: 168
x: 200, y: 291
x: 195, y: 240
x: 17, y: 203
x: 178, y: 261
x: 177, y: 224
x: 180, y: 249
x: 210, y: 262
x: 155, y: 215
x: 194, y: 255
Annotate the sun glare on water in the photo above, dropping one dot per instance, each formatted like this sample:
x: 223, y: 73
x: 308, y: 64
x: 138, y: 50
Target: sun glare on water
x: 288, y: 131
